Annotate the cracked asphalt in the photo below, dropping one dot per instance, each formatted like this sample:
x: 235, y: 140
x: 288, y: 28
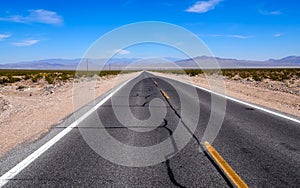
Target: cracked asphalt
x: 262, y: 148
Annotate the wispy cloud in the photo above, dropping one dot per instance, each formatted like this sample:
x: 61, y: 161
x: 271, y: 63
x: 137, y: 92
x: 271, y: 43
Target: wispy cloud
x: 26, y: 42
x: 36, y: 16
x: 179, y: 43
x: 275, y: 12
x: 229, y: 36
x: 4, y: 36
x: 278, y: 35
x: 122, y: 52
x: 203, y: 6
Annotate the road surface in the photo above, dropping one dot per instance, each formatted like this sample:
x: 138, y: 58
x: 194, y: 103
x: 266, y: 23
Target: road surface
x: 263, y: 149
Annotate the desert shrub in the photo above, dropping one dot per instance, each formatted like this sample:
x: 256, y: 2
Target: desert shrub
x: 193, y: 72
x: 3, y: 80
x: 285, y: 77
x: 102, y: 73
x: 27, y: 77
x: 64, y: 76
x: 275, y: 77
x: 11, y: 79
x: 49, y: 79
x: 257, y: 77
x: 229, y: 73
x: 106, y: 73
x: 244, y: 74
x: 36, y: 78
x: 20, y: 87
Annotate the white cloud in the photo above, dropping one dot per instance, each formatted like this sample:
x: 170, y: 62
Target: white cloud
x: 36, y: 16
x: 277, y: 35
x: 179, y: 43
x: 239, y: 36
x: 122, y: 52
x: 26, y: 42
x: 4, y: 36
x: 203, y: 6
x: 264, y: 12
x: 230, y: 36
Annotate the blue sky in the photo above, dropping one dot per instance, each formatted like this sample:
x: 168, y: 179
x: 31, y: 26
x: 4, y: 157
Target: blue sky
x: 255, y: 30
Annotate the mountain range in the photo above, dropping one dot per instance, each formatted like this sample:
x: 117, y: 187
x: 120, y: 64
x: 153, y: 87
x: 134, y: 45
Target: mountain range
x: 165, y: 63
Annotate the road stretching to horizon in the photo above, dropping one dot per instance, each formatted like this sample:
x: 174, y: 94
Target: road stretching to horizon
x: 262, y: 149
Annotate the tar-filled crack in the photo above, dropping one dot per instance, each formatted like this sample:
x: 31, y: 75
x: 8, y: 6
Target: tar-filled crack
x: 229, y: 183
x: 170, y: 172
x: 145, y: 103
x: 179, y: 116
x: 147, y: 96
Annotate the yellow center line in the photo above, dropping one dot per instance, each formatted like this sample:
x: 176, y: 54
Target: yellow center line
x: 165, y: 94
x: 234, y: 177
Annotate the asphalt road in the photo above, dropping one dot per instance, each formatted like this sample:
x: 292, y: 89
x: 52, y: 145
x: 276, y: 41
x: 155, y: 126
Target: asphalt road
x: 263, y: 149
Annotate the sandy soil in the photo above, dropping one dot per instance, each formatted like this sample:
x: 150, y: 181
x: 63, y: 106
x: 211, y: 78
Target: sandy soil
x: 281, y: 96
x: 30, y: 111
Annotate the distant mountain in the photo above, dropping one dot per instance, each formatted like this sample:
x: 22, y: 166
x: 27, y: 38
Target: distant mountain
x: 57, y: 64
x: 66, y: 64
x: 137, y: 63
x: 288, y: 61
x: 208, y: 62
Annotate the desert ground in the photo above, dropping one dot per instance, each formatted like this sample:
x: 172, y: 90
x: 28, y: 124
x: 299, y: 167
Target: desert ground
x: 283, y: 96
x: 28, y: 110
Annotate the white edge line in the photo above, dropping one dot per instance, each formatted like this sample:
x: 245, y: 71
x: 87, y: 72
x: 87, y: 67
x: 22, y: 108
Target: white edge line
x: 28, y: 160
x: 239, y: 101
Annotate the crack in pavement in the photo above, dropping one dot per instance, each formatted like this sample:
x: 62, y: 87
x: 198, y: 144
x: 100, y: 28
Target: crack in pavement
x: 170, y: 172
x: 201, y: 147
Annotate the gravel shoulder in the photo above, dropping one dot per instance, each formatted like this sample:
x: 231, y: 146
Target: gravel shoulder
x: 280, y: 96
x: 29, y: 111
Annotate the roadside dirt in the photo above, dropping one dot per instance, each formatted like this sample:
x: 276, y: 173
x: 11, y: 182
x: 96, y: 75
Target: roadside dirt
x: 28, y: 110
x: 281, y: 96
